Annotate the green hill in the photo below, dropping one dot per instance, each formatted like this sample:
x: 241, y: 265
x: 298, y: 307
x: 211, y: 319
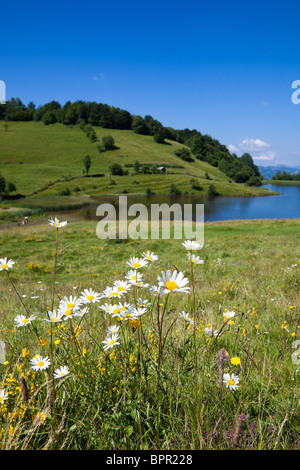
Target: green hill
x: 46, y: 162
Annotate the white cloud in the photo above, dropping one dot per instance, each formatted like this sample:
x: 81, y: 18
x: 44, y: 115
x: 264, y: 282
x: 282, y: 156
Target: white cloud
x: 96, y: 78
x: 232, y: 148
x: 253, y: 144
x: 256, y: 147
x: 265, y: 156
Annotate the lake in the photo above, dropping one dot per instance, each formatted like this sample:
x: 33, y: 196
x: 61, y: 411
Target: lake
x: 286, y: 205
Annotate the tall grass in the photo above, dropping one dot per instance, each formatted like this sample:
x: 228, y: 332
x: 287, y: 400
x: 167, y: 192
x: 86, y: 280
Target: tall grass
x: 162, y: 386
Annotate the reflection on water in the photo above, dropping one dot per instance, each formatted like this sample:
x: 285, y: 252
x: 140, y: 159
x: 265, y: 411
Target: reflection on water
x: 283, y: 206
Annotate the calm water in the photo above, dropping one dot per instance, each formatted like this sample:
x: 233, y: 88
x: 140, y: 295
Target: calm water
x: 284, y: 206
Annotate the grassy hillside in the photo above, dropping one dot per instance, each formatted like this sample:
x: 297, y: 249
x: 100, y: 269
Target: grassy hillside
x: 45, y: 161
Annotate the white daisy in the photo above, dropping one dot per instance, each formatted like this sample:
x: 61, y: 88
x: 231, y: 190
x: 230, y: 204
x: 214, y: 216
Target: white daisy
x: 59, y: 373
x: 175, y: 282
x: 5, y: 264
x: 3, y: 396
x: 21, y: 320
x: 137, y: 312
x: 231, y: 381
x: 81, y: 312
x: 112, y: 329
x: 137, y: 263
x: 133, y: 276
x: 155, y: 291
x: 116, y: 293
x: 142, y: 303
x: 89, y: 296
x: 149, y: 256
x: 121, y: 310
x: 106, y: 308
x: 210, y: 331
x: 115, y: 310
x: 111, y: 341
x: 129, y: 315
x: 122, y: 285
x: 106, y: 293
x: 56, y: 223
x: 195, y: 259
x: 40, y: 363
x: 141, y: 284
x: 229, y: 315
x: 69, y: 305
x: 54, y: 317
x: 186, y: 317
x: 191, y: 245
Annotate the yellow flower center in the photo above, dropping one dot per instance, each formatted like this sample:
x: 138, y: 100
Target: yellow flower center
x: 40, y: 363
x: 115, y: 293
x: 68, y: 312
x: 112, y: 341
x: 54, y: 319
x: 171, y: 285
x: 231, y: 382
x: 149, y: 257
x: 156, y: 292
x: 128, y: 315
x: 4, y: 266
x: 56, y: 224
x: 133, y: 278
x: 117, y: 310
x: 90, y: 297
x: 1, y: 399
x: 121, y: 288
x: 136, y: 265
x: 62, y: 374
x: 25, y: 320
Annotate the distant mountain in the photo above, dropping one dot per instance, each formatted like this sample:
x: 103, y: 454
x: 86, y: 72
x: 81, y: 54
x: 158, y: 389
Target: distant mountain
x: 269, y: 171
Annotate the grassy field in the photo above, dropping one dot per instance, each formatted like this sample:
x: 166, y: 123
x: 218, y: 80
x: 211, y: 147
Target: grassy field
x: 282, y: 182
x: 162, y: 386
x: 45, y: 162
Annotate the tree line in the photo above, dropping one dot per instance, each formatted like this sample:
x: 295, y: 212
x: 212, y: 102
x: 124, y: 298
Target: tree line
x: 88, y: 114
x: 285, y: 176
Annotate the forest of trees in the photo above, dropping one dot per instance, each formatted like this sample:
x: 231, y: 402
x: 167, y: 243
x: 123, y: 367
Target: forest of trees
x: 88, y: 114
x: 285, y: 176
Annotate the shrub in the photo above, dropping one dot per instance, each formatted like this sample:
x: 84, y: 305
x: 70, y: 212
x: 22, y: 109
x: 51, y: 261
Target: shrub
x: 65, y: 192
x: 174, y: 190
x: 108, y: 142
x: 117, y: 169
x: 212, y: 190
x: 184, y: 153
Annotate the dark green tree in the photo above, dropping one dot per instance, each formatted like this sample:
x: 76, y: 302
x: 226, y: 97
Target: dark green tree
x: 212, y: 190
x: 108, y: 142
x: 160, y: 136
x: 11, y: 187
x: 136, y: 166
x: 174, y: 190
x: 116, y: 169
x: 139, y: 126
x: 87, y: 163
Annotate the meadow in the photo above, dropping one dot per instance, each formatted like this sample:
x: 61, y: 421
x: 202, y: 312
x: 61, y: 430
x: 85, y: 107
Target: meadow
x: 45, y: 163
x: 201, y: 357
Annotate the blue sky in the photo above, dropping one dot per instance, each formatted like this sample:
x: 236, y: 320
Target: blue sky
x: 223, y: 68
